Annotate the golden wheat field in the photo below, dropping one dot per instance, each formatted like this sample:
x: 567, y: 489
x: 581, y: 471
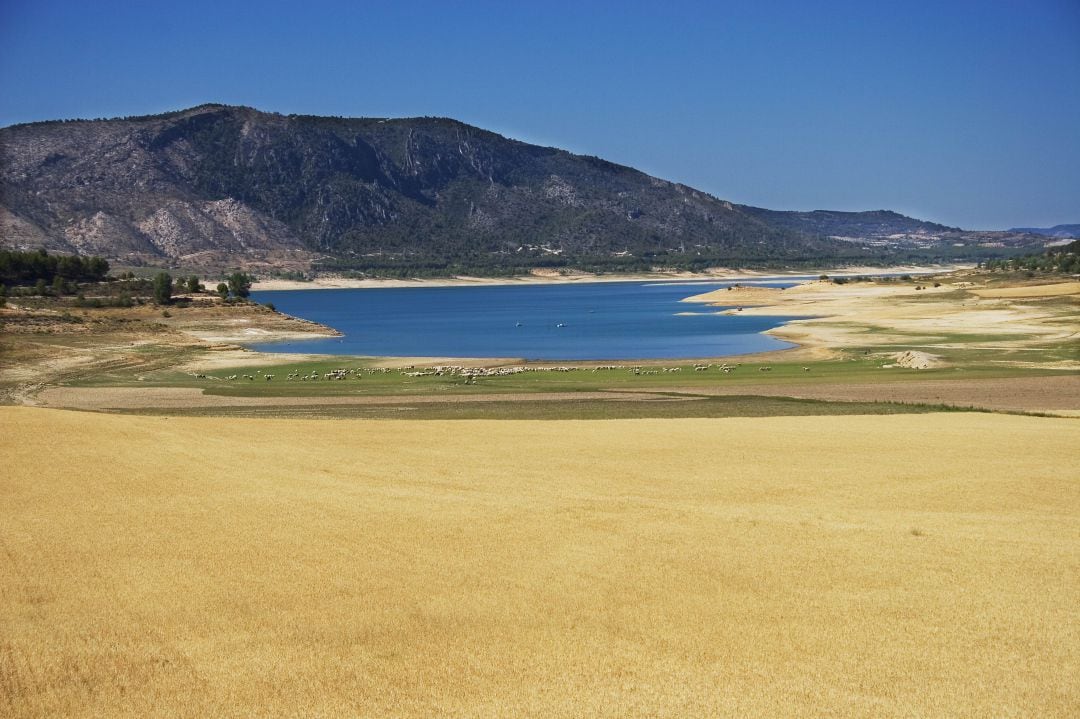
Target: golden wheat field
x: 906, y: 565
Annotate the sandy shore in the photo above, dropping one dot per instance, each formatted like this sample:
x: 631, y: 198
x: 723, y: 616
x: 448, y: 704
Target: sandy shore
x: 718, y: 274
x: 925, y: 319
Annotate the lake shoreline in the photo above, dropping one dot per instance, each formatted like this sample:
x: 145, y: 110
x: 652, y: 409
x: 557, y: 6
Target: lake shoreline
x: 545, y: 322
x: 331, y: 282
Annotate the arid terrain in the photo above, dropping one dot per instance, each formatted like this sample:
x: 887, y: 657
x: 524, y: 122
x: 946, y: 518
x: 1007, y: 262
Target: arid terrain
x: 959, y: 318
x: 959, y: 340
x: 907, y: 565
x: 817, y: 531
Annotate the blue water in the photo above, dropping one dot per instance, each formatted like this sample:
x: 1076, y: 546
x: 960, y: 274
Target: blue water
x: 601, y: 321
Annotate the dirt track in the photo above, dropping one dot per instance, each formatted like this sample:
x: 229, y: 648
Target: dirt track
x: 1018, y: 394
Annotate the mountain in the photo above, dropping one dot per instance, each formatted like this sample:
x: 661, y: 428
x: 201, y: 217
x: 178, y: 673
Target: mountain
x: 851, y: 225
x: 222, y: 186
x: 1065, y: 232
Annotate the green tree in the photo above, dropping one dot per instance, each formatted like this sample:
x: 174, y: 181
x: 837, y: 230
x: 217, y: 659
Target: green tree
x: 193, y: 285
x: 240, y: 284
x: 3, y: 294
x: 58, y: 285
x: 163, y: 288
x: 223, y: 290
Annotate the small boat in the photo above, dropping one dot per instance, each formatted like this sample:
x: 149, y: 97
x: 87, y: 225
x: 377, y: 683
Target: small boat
x: 561, y: 325
x: 518, y: 324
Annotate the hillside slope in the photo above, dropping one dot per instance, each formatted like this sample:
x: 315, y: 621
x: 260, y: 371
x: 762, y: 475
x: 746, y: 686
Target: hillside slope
x: 1066, y: 232
x: 220, y: 186
x: 220, y: 183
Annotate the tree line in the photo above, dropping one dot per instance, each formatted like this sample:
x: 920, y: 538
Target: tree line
x: 28, y: 268
x: 237, y: 286
x: 1064, y: 259
x: 30, y: 273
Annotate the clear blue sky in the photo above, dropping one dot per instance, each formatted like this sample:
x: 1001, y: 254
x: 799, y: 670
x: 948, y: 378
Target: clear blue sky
x: 966, y: 113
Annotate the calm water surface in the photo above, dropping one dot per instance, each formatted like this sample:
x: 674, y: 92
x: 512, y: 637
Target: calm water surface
x: 611, y: 320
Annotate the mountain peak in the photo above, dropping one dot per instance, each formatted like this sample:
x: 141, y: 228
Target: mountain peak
x: 230, y: 184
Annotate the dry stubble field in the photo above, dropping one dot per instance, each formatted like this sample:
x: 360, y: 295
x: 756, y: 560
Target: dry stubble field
x: 910, y: 565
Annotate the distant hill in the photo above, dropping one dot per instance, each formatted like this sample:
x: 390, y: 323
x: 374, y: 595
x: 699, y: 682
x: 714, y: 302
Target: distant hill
x: 1065, y: 232
x: 218, y: 186
x: 855, y: 225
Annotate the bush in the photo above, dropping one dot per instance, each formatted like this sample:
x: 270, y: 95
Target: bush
x: 163, y: 288
x: 240, y: 284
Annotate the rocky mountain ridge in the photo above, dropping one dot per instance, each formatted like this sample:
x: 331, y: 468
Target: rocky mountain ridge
x: 218, y: 185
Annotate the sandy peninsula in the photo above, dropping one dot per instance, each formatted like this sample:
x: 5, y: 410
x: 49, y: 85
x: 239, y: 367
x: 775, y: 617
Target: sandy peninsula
x: 926, y: 318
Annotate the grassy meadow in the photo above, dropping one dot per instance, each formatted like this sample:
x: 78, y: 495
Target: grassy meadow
x: 907, y: 565
x: 584, y: 377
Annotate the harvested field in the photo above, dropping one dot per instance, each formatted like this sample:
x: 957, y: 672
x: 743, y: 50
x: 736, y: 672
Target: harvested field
x: 918, y: 565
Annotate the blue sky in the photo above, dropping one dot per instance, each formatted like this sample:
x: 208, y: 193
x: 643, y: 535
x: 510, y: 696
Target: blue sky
x: 967, y: 113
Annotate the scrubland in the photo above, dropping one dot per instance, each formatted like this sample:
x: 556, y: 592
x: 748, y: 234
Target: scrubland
x: 908, y: 565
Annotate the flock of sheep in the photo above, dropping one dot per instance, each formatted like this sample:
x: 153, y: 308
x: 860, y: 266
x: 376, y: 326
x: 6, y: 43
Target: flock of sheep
x: 469, y: 373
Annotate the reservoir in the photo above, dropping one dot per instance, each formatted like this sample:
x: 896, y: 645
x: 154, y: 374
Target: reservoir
x: 582, y: 321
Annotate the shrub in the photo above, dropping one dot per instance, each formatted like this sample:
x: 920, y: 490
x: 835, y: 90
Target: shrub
x: 240, y: 284
x: 163, y: 288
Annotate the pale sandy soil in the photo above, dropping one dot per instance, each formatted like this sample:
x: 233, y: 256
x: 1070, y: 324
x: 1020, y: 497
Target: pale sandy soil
x: 42, y: 347
x: 861, y: 314
x: 1060, y: 289
x: 874, y: 566
x: 541, y: 277
x: 230, y: 356
x: 745, y: 296
x: 251, y: 329
x: 241, y: 331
